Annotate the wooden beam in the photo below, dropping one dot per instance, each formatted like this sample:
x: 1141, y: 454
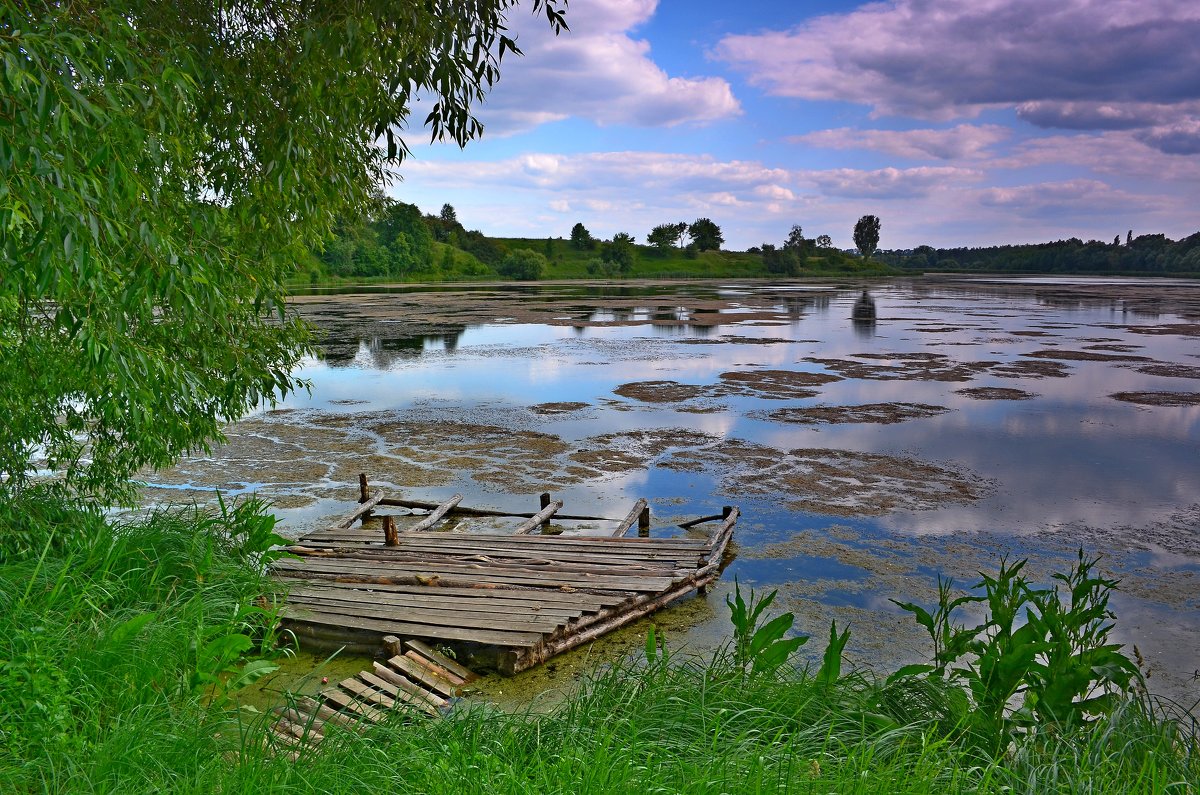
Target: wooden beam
x: 363, y: 510
x: 390, y: 539
x: 538, y: 518
x: 399, y: 502
x: 362, y: 487
x: 435, y: 517
x: 630, y: 518
x: 644, y: 522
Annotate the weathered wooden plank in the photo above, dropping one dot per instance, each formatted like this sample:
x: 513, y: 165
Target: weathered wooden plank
x: 630, y: 519
x: 517, y: 596
x: 430, y: 573
x: 496, y: 637
x: 497, y: 548
x: 520, y: 570
x: 463, y: 603
x: 400, y: 696
x: 461, y: 671
x: 365, y: 694
x: 412, y: 688
x: 422, y: 675
x: 475, y: 609
x: 436, y: 516
x: 424, y: 615
x: 503, y: 563
x: 438, y: 671
x: 324, y: 713
x: 348, y: 704
x: 530, y: 524
x: 625, y: 544
x: 360, y: 510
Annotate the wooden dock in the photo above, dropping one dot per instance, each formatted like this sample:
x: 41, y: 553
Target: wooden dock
x: 513, y: 600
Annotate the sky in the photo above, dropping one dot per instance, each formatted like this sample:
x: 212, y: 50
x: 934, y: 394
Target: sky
x: 956, y: 122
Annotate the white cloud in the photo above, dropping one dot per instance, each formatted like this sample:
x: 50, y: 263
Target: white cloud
x: 963, y: 141
x: 891, y: 183
x: 1069, y: 198
x: 1085, y: 64
x: 601, y: 73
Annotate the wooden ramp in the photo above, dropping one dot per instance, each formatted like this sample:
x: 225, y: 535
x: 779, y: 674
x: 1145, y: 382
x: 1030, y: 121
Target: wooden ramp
x: 414, y: 679
x: 518, y: 598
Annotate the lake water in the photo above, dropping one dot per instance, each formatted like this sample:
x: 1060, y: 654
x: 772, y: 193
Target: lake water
x: 966, y: 420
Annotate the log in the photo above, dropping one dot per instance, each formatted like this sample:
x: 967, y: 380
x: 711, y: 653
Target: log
x: 633, y: 515
x: 538, y: 518
x: 545, y: 651
x: 362, y: 511
x: 693, y: 522
x: 719, y: 538
x: 435, y: 517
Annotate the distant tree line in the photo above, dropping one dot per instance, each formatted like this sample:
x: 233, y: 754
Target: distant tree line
x: 1141, y: 254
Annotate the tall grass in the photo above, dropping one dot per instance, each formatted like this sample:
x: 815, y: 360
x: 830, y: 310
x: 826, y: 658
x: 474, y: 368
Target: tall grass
x: 120, y: 641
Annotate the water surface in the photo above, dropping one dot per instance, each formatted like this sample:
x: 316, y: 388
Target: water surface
x: 990, y: 427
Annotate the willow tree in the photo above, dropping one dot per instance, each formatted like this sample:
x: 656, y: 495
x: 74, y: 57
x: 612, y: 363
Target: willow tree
x: 161, y: 164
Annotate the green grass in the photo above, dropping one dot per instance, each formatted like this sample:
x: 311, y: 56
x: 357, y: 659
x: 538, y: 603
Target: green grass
x: 112, y: 635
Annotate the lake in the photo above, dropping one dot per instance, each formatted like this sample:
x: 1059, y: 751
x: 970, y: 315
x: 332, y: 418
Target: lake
x: 965, y: 420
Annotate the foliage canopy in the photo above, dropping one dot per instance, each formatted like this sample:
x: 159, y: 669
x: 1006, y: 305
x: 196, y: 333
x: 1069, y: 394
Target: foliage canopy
x: 866, y: 235
x: 161, y: 168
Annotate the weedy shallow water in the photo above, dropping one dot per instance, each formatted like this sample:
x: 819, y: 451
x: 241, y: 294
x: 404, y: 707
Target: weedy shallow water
x: 965, y: 420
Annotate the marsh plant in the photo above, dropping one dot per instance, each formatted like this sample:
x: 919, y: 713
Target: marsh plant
x: 1041, y: 658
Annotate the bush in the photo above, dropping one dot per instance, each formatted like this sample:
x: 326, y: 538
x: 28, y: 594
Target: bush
x: 523, y: 264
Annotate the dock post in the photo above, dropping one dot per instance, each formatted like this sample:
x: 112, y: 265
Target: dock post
x: 644, y: 523
x: 390, y: 537
x: 545, y: 501
x: 363, y: 495
x: 391, y: 646
x: 725, y: 511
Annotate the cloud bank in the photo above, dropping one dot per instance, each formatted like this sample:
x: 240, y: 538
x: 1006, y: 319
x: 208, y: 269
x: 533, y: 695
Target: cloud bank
x: 1073, y: 64
x: 599, y: 72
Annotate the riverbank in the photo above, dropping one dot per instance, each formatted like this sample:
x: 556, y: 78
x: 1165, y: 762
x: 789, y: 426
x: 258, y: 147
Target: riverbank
x: 124, y: 649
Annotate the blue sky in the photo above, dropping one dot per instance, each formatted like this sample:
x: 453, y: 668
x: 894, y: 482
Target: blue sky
x: 957, y: 122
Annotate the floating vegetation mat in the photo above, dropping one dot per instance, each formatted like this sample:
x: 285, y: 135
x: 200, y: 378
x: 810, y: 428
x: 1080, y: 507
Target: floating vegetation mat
x: 834, y: 482
x: 1171, y: 370
x: 877, y: 413
x: 995, y: 393
x: 1086, y: 356
x: 1159, y: 398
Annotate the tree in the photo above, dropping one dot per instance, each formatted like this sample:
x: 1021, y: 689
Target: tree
x: 781, y: 261
x: 705, y: 234
x: 824, y: 241
x: 448, y: 215
x: 581, y: 238
x: 664, y: 237
x: 620, y: 253
x: 866, y: 235
x: 523, y: 264
x: 795, y: 239
x: 164, y: 166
